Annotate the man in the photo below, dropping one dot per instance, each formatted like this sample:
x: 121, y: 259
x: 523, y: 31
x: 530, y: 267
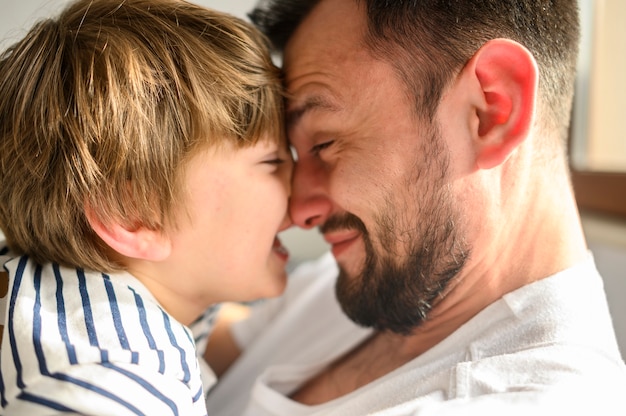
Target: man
x: 431, y: 153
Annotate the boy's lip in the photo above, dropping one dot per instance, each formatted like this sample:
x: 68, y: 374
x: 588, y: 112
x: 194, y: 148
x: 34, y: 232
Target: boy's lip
x: 280, y: 250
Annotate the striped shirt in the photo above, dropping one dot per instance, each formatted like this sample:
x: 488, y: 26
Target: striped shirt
x: 91, y: 343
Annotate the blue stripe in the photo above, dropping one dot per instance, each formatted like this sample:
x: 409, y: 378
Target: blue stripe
x: 146, y: 385
x: 99, y: 390
x: 183, y: 356
x: 28, y: 397
x: 146, y: 330
x: 62, y: 318
x: 198, y: 395
x: 205, y: 320
x: 115, y: 313
x: 89, y: 322
x: 41, y: 359
x: 189, y: 336
x: 3, y: 399
x: 201, y: 336
x: 19, y: 275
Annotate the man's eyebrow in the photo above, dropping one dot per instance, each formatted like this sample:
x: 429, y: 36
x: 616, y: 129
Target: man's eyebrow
x: 315, y: 102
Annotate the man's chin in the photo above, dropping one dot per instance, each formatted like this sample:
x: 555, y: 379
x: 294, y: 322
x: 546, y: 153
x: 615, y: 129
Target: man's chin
x: 351, y: 259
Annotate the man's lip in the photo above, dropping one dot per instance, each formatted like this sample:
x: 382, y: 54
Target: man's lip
x: 341, y: 241
x: 339, y: 237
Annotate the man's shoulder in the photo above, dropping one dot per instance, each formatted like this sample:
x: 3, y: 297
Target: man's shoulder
x: 557, y: 330
x: 567, y: 308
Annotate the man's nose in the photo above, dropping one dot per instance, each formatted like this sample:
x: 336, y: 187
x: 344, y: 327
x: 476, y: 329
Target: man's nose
x: 310, y: 204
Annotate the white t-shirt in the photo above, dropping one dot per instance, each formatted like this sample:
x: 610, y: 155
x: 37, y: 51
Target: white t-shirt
x: 92, y: 344
x: 546, y: 348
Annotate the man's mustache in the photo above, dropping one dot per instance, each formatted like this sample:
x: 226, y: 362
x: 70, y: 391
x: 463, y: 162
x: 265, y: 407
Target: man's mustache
x: 344, y: 221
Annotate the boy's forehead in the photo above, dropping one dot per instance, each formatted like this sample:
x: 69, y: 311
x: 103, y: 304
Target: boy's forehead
x: 232, y: 143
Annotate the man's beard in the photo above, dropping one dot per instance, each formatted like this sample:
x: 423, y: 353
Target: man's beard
x: 396, y: 289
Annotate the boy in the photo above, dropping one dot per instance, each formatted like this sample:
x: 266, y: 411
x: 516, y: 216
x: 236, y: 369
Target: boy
x: 143, y: 178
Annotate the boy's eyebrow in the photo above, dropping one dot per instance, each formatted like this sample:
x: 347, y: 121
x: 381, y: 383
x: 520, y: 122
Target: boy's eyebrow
x: 294, y: 113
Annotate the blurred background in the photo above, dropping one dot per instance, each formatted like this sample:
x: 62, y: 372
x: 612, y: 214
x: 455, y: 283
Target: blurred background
x: 598, y: 135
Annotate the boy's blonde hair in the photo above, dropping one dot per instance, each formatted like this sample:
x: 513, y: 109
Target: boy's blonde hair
x: 101, y: 106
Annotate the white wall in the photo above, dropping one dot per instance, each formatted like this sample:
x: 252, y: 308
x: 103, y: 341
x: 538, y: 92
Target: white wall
x: 18, y: 15
x: 607, y: 241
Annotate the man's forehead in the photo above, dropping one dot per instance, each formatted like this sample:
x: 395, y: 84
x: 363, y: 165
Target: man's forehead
x: 296, y: 109
x: 331, y: 28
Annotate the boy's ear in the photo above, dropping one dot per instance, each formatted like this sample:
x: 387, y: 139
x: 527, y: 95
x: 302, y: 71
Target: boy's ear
x: 507, y: 77
x: 137, y: 242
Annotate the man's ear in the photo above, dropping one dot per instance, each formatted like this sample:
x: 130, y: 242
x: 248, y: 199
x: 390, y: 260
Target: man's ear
x: 136, y: 242
x: 507, y: 75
